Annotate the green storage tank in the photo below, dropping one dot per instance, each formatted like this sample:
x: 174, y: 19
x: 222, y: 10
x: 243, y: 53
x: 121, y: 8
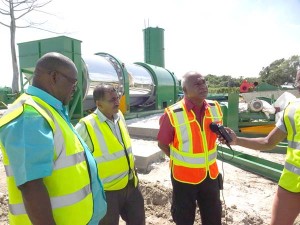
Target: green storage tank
x: 154, y: 46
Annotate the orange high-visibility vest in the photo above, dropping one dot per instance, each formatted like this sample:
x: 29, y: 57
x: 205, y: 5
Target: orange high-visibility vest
x: 193, y: 151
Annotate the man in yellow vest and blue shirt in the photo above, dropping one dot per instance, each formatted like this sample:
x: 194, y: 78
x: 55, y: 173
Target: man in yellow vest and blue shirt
x: 186, y: 138
x: 51, y: 175
x: 286, y: 204
x: 106, y: 134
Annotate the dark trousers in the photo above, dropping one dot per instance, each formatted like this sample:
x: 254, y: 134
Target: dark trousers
x: 127, y: 203
x: 206, y: 195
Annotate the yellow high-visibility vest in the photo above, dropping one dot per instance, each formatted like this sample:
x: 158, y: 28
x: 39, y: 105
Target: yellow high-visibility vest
x: 68, y: 185
x: 290, y: 177
x: 114, y: 161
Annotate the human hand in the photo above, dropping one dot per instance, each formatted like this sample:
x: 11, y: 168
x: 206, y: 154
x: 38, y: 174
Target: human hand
x: 231, y: 133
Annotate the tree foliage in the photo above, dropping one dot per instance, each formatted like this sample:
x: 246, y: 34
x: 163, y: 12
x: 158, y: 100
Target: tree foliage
x: 215, y: 81
x: 280, y: 71
x: 16, y: 10
x: 277, y: 73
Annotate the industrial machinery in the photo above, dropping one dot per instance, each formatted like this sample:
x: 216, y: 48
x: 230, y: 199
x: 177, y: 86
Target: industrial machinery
x: 144, y: 88
x: 6, y: 97
x: 252, y: 120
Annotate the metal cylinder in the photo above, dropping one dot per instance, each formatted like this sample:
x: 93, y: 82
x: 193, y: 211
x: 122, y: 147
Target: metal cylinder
x: 141, y: 85
x: 103, y: 69
x: 154, y: 46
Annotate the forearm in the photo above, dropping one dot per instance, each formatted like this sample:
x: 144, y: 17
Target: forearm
x: 37, y: 202
x: 259, y: 143
x: 164, y: 148
x: 255, y: 143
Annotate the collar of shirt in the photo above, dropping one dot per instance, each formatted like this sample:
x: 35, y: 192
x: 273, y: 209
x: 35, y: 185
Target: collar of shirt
x: 191, y: 106
x: 103, y: 118
x: 54, y: 102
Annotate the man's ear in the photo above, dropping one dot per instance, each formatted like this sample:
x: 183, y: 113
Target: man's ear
x: 98, y: 104
x: 53, y: 77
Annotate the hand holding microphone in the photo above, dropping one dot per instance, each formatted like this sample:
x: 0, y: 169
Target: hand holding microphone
x: 224, y: 136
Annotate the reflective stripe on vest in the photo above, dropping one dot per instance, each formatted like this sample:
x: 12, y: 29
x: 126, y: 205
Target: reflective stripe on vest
x: 195, y: 161
x: 56, y: 202
x: 292, y: 168
x: 68, y: 155
x: 113, y: 157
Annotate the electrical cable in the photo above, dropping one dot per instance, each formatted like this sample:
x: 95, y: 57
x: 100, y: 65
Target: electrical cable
x: 221, y: 155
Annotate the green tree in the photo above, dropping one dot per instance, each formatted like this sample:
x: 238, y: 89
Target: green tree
x: 280, y: 71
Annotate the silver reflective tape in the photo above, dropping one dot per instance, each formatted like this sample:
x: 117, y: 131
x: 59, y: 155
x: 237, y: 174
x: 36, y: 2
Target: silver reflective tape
x: 56, y: 202
x: 114, y: 177
x: 190, y: 160
x: 292, y: 168
x: 110, y: 157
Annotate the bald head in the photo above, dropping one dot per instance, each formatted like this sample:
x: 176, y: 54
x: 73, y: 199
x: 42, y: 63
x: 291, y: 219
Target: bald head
x: 53, y: 61
x: 194, y: 87
x: 56, y: 74
x: 188, y: 77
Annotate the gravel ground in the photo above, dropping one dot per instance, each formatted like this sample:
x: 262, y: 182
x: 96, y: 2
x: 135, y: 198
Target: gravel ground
x: 247, y: 198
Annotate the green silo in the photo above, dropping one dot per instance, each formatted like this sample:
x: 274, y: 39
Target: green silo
x: 154, y: 46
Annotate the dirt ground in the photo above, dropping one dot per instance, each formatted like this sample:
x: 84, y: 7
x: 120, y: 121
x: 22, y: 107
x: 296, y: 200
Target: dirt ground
x: 247, y: 198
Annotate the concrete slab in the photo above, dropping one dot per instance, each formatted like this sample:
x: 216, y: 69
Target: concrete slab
x: 145, y: 127
x: 143, y: 132
x: 145, y: 152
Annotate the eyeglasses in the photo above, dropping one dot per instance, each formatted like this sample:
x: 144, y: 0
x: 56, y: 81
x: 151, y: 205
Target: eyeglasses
x: 73, y: 81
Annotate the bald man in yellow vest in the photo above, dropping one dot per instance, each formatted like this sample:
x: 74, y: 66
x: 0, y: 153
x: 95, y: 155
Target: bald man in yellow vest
x: 51, y: 174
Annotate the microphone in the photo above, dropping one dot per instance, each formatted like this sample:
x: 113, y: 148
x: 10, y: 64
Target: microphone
x: 220, y: 130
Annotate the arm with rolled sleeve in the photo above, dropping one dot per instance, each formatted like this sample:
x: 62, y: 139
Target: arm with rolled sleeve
x: 28, y: 141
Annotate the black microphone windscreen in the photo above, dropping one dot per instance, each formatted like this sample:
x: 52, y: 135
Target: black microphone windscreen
x: 214, y: 127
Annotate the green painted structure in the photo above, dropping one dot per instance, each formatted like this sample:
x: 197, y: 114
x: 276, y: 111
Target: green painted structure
x: 265, y: 168
x: 165, y: 84
x: 154, y: 46
x: 30, y: 52
x: 6, y: 97
x: 167, y: 88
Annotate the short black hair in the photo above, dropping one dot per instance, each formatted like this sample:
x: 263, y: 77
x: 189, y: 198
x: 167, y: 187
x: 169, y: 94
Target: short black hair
x: 100, y: 90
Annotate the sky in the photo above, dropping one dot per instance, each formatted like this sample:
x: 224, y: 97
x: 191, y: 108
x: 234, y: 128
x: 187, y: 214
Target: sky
x: 219, y: 37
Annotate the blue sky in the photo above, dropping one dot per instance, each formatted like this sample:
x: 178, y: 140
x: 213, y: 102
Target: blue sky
x: 220, y: 37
